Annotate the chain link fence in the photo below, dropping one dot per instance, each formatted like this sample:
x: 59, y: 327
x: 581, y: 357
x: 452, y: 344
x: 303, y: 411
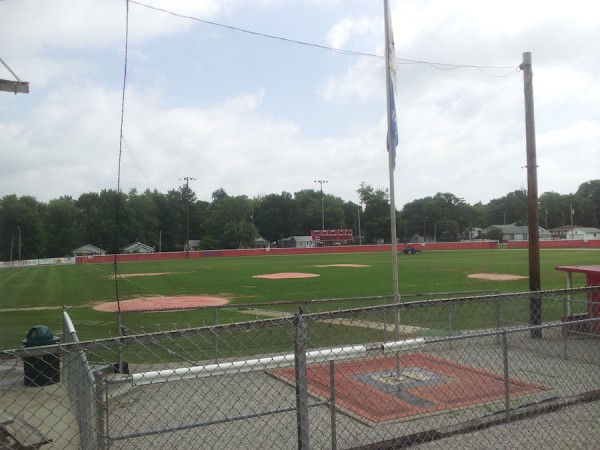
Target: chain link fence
x: 455, y: 372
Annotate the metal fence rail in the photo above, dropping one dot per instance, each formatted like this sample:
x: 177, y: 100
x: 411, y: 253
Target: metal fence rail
x: 464, y: 367
x: 81, y: 386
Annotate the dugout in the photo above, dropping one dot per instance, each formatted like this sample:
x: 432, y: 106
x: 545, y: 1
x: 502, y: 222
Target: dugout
x: 592, y: 275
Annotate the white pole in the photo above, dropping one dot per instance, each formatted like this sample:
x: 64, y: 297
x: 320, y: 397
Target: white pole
x: 391, y: 119
x: 269, y: 362
x: 390, y: 144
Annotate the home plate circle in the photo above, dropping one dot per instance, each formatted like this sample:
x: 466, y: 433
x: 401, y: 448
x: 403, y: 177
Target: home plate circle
x: 162, y: 303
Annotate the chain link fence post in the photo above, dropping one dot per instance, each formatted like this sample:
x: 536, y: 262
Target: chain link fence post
x: 497, y: 320
x: 506, y: 379
x: 216, y: 336
x: 101, y: 412
x: 332, y: 404
x: 300, y: 345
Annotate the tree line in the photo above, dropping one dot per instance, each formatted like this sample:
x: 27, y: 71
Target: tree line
x: 32, y: 229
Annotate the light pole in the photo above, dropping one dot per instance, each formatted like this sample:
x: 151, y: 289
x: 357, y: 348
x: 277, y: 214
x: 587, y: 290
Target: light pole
x: 19, y: 229
x: 424, y: 219
x: 322, y: 208
x: 187, y: 189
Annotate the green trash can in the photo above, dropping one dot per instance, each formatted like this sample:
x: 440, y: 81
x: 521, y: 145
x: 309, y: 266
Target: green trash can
x: 44, y: 369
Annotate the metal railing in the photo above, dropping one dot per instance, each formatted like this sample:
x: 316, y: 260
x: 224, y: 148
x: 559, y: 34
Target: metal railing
x: 81, y: 385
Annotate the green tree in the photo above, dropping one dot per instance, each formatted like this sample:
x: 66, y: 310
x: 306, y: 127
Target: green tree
x: 589, y: 193
x: 239, y: 235
x: 495, y: 234
x: 375, y: 221
x: 512, y: 208
x: 226, y: 218
x: 276, y: 216
x: 352, y: 213
x: 22, y: 228
x: 552, y: 209
x: 63, y: 227
x: 99, y: 215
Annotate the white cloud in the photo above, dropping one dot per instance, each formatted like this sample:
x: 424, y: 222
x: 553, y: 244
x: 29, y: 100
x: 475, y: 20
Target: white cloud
x: 461, y: 131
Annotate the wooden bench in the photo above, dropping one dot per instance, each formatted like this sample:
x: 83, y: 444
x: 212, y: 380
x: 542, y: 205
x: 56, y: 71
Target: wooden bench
x: 17, y: 434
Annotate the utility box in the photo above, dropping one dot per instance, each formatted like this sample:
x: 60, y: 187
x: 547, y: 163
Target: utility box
x: 44, y: 369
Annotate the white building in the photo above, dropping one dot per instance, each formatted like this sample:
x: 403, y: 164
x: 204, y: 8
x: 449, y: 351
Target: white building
x: 576, y: 233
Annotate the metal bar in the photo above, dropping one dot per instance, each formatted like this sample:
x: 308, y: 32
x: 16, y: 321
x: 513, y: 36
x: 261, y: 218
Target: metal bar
x: 300, y: 345
x: 101, y: 412
x: 216, y: 310
x: 270, y: 362
x: 506, y: 381
x: 450, y: 325
x: 213, y: 422
x: 332, y: 404
x: 498, y: 320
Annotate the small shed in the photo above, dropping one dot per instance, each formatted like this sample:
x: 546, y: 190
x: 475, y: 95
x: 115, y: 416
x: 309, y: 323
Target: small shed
x: 137, y: 247
x: 261, y: 242
x: 89, y: 250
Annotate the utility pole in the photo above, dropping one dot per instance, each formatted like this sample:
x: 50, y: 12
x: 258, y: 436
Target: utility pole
x: 359, y: 232
x: 572, y: 211
x: 322, y: 208
x: 187, y: 190
x: 535, y: 301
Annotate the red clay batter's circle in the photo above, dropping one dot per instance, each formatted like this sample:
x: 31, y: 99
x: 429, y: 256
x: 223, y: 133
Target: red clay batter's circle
x: 286, y: 275
x: 162, y: 303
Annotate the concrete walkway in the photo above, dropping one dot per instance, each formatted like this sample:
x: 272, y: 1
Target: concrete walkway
x: 46, y: 408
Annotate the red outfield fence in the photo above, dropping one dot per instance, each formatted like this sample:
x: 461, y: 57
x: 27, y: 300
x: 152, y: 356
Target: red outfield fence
x: 557, y: 244
x: 475, y: 245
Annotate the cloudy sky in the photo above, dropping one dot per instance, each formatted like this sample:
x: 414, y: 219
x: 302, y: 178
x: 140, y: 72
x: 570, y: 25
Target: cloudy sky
x: 256, y: 114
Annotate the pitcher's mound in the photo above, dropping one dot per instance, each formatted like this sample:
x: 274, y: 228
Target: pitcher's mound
x: 162, y: 303
x: 286, y: 275
x: 343, y: 265
x: 496, y: 276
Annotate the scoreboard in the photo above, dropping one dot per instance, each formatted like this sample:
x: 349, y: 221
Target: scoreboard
x: 331, y: 235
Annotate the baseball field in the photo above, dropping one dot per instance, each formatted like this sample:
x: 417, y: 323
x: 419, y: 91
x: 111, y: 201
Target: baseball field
x: 35, y: 295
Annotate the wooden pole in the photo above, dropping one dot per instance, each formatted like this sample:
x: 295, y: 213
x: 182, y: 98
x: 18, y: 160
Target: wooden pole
x: 535, y: 301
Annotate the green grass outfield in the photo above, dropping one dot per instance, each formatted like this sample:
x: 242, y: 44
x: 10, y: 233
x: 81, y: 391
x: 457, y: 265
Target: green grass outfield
x: 34, y: 295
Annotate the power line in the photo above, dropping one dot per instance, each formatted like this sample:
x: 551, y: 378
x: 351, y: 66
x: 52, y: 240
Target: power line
x: 436, y: 65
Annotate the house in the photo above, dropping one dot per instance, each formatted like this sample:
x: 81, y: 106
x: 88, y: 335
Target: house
x: 194, y: 245
x: 89, y: 250
x: 298, y: 242
x: 514, y: 232
x: 261, y: 242
x: 137, y: 247
x: 576, y: 233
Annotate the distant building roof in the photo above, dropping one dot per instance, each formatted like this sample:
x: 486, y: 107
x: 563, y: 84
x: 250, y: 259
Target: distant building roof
x: 137, y: 247
x: 575, y: 228
x: 88, y: 250
x: 514, y: 229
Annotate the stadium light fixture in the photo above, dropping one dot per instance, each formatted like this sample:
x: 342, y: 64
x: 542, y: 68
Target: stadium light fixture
x: 17, y: 87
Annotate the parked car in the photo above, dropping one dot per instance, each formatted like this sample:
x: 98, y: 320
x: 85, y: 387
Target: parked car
x: 410, y: 250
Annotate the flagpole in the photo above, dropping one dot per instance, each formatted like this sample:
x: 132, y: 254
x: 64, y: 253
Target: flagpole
x: 391, y: 120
